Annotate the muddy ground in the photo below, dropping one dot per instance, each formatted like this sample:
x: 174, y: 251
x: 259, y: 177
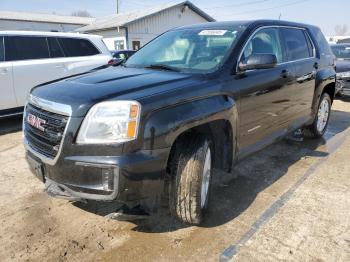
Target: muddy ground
x: 290, y: 201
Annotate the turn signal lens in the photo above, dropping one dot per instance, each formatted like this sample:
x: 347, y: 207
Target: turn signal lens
x: 132, y: 129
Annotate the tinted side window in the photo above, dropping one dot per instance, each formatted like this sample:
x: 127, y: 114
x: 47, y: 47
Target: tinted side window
x: 77, y: 47
x: 2, y: 51
x: 265, y: 41
x: 54, y: 47
x: 296, y: 44
x: 26, y: 48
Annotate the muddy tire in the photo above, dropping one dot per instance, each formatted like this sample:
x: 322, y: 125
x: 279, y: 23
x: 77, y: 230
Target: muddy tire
x: 320, y: 124
x: 190, y: 179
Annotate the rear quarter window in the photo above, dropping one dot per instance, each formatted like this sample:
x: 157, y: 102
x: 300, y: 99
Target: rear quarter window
x: 73, y: 47
x: 296, y: 43
x: 2, y: 50
x: 26, y: 48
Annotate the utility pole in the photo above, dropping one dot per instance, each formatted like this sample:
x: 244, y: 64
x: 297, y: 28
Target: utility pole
x: 117, y: 6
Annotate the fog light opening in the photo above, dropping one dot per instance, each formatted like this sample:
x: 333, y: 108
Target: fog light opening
x: 107, y: 178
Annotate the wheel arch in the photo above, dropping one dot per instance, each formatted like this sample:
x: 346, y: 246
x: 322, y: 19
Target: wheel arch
x: 220, y: 133
x: 325, y: 82
x: 329, y: 89
x: 215, y: 117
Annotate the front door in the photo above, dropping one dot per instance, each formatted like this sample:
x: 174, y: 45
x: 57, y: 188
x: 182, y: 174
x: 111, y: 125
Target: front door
x: 7, y: 93
x: 264, y: 93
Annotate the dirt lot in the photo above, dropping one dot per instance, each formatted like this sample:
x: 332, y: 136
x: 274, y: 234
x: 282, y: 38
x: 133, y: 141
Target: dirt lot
x: 290, y: 201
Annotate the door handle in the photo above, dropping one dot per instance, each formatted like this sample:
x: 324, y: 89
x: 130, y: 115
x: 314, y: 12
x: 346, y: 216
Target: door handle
x: 4, y: 70
x: 59, y: 66
x: 285, y: 73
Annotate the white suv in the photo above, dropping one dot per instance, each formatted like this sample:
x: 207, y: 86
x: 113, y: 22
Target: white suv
x: 28, y: 59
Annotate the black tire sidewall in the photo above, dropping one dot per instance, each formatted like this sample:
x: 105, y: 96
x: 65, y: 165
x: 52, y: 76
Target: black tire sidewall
x: 186, y: 150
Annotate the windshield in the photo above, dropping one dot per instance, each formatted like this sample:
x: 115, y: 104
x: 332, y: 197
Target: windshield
x: 192, y: 50
x: 341, y: 51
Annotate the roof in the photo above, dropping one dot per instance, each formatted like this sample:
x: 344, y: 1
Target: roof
x: 244, y: 23
x: 123, y: 19
x: 216, y: 25
x: 48, y: 18
x: 39, y: 33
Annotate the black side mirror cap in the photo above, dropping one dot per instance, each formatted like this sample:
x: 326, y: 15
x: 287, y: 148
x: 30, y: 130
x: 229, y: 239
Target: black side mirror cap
x: 258, y: 61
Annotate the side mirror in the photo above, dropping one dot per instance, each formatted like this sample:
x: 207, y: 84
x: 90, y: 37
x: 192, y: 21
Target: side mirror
x: 258, y: 61
x: 115, y: 62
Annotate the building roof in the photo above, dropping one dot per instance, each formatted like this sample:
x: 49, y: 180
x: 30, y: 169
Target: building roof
x: 123, y: 19
x: 41, y: 33
x: 48, y: 18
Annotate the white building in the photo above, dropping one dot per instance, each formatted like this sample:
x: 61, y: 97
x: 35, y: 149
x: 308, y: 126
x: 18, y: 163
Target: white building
x: 41, y: 22
x: 338, y: 39
x: 133, y: 30
x: 120, y: 31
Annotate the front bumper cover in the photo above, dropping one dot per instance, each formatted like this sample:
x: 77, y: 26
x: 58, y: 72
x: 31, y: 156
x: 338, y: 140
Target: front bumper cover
x: 129, y: 178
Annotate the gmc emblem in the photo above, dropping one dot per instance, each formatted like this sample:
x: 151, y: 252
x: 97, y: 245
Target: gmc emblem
x: 36, y: 122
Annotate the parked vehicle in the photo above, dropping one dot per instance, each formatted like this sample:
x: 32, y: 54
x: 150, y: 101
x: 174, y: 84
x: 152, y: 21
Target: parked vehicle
x: 121, y: 56
x: 31, y: 58
x: 342, y: 53
x: 196, y: 98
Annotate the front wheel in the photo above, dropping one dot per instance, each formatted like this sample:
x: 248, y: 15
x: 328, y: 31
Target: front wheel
x: 319, y: 126
x: 191, y: 179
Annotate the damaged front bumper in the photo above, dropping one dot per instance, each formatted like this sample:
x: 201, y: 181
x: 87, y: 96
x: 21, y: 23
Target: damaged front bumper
x: 343, y: 87
x: 126, y: 178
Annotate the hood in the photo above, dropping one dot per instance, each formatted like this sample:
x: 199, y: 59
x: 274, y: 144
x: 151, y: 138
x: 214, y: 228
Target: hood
x: 343, y: 66
x: 83, y: 91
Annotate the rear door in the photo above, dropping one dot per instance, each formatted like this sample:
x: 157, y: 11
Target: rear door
x: 32, y: 64
x: 301, y: 55
x: 7, y: 93
x: 81, y: 55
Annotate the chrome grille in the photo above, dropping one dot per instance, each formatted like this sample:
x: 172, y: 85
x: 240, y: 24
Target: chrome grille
x: 45, y: 139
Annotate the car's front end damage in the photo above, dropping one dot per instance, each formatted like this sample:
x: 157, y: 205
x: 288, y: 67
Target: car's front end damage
x: 342, y: 54
x: 75, y: 170
x: 343, y: 83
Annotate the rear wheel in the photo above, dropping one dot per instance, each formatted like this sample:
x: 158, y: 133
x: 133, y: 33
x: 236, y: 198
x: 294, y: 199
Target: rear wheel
x: 191, y: 179
x: 319, y: 126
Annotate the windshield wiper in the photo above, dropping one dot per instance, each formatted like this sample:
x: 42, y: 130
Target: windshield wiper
x: 163, y: 67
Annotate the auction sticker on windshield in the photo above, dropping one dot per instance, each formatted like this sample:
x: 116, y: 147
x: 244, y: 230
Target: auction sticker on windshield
x: 212, y: 32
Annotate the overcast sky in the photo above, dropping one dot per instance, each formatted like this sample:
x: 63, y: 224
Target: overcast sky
x: 324, y: 13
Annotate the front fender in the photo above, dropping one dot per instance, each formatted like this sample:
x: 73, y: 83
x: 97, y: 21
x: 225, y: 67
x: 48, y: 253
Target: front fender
x: 163, y: 126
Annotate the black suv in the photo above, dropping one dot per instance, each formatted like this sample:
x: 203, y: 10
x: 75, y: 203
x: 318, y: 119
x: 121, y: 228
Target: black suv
x: 342, y: 54
x: 194, y: 99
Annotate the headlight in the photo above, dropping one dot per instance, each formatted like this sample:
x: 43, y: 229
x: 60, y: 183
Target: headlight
x: 110, y: 122
x: 343, y: 75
